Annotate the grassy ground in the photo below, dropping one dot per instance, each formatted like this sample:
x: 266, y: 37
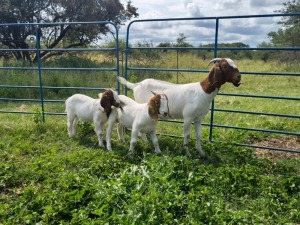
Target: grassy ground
x: 47, y: 178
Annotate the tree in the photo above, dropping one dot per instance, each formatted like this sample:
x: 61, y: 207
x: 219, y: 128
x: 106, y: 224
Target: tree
x: 62, y: 36
x: 288, y: 34
x: 234, y: 54
x: 181, y: 41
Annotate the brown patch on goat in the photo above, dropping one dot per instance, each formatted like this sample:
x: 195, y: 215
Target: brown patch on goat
x: 107, y: 101
x: 221, y: 73
x: 153, y: 107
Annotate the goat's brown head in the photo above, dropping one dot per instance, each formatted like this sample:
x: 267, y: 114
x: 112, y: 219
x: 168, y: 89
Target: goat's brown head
x: 224, y: 70
x: 158, y: 104
x: 108, y: 99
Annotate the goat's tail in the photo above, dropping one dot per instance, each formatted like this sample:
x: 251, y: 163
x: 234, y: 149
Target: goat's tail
x: 66, y: 104
x: 128, y: 84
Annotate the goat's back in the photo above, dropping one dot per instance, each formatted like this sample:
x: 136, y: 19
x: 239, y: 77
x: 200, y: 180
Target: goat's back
x: 131, y: 111
x: 82, y: 106
x: 143, y: 91
x: 183, y: 99
x: 124, y: 100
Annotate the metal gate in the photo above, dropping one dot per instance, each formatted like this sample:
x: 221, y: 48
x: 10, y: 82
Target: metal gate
x: 133, y: 72
x: 44, y: 92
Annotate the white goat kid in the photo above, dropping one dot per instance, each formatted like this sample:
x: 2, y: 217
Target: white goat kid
x: 85, y: 108
x: 141, y: 118
x: 189, y: 101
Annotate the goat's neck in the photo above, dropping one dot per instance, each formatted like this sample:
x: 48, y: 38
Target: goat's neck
x: 209, y: 87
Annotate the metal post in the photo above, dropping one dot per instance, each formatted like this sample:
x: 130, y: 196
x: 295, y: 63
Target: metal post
x: 213, y: 102
x: 39, y: 69
x: 117, y: 58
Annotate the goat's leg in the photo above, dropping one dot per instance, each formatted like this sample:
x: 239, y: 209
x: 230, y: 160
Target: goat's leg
x: 72, y: 126
x: 187, y: 136
x: 143, y: 136
x: 133, y: 140
x: 98, y: 130
x: 155, y: 142
x: 109, y: 128
x: 120, y: 130
x: 110, y: 124
x: 198, y: 137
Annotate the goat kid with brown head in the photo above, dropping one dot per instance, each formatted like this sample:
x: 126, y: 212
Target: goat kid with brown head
x: 85, y: 108
x: 190, y: 102
x: 141, y: 118
x: 108, y: 99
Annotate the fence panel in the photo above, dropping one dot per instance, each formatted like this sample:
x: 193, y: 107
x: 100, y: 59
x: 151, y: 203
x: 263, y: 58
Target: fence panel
x: 148, y: 57
x: 68, y: 69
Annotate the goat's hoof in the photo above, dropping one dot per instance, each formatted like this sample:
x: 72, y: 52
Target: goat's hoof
x: 202, y: 154
x: 158, y: 153
x: 129, y: 155
x: 188, y: 154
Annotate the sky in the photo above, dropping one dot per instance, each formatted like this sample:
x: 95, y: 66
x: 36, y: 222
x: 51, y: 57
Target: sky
x: 251, y: 31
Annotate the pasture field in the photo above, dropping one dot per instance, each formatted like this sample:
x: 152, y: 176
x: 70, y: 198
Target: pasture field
x: 48, y: 178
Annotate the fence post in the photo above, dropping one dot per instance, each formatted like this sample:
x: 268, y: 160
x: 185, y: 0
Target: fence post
x: 37, y: 45
x: 213, y: 102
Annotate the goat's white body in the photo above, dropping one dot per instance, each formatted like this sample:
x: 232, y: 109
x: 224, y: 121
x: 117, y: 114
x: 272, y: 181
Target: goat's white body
x: 85, y: 108
x: 187, y: 101
x: 135, y: 116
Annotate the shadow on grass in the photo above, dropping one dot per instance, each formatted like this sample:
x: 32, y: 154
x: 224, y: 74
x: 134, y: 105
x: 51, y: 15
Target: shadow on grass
x: 217, y: 154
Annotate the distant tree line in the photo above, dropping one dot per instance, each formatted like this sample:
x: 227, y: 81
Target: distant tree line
x: 74, y: 36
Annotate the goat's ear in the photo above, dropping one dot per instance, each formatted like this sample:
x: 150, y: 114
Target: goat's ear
x: 215, y: 75
x: 153, y: 110
x: 105, y: 103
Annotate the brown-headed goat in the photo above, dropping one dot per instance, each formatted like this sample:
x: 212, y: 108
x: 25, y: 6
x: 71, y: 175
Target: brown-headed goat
x: 85, y: 108
x: 189, y: 101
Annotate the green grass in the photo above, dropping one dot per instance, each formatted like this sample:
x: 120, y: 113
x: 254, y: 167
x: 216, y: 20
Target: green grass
x: 47, y: 178
x: 259, y: 85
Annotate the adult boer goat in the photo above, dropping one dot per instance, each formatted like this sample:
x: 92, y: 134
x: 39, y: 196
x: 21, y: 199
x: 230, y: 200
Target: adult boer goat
x: 141, y: 118
x: 190, y: 101
x: 85, y: 108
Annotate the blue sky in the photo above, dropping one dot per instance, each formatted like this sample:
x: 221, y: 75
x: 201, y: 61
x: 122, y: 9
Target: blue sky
x: 250, y: 31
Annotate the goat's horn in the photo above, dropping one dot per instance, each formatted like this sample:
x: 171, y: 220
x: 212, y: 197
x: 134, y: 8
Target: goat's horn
x: 214, y: 60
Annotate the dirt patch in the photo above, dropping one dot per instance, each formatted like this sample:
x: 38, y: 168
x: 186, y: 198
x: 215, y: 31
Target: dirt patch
x: 285, y: 142
x: 23, y: 108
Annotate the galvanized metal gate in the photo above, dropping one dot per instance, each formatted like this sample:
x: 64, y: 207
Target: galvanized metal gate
x: 40, y: 68
x: 135, y: 26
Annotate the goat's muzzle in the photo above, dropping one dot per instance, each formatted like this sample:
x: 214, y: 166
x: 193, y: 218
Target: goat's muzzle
x: 118, y: 105
x: 237, y: 84
x: 237, y: 81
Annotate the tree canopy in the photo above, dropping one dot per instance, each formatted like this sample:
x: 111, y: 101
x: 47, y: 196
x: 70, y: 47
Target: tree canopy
x: 288, y: 34
x: 56, y: 11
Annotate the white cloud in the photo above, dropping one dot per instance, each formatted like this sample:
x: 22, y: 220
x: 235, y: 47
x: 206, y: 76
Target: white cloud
x: 251, y: 31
